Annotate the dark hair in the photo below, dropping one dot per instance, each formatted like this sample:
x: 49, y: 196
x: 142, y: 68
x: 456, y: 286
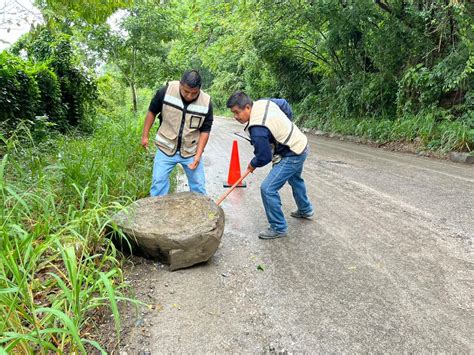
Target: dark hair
x: 192, y: 78
x: 239, y: 99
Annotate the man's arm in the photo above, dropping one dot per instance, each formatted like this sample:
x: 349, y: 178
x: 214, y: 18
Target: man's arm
x: 260, y: 137
x: 154, y: 109
x: 205, y: 130
x: 149, y: 120
x: 202, y: 142
x: 207, y: 125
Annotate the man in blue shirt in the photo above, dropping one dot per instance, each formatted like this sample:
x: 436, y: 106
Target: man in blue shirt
x: 275, y: 137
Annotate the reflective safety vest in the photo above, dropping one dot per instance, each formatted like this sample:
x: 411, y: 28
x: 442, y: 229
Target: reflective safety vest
x: 178, y: 120
x: 266, y: 113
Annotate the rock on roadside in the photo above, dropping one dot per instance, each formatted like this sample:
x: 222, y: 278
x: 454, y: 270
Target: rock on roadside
x: 179, y: 229
x: 458, y: 157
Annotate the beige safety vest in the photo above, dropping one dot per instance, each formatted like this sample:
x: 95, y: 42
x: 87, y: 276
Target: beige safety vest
x: 173, y: 113
x: 267, y: 113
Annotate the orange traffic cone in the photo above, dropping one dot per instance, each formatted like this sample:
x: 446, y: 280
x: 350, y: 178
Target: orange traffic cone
x: 234, y: 168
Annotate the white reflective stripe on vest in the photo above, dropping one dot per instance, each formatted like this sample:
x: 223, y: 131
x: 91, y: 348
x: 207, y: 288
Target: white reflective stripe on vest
x: 162, y: 140
x: 174, y: 101
x: 198, y: 108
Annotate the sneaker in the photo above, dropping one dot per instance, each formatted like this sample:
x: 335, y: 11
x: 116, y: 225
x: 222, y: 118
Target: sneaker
x: 299, y: 214
x: 271, y: 234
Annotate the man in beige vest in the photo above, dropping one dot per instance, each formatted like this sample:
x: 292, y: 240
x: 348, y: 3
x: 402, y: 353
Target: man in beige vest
x: 185, y: 114
x: 274, y: 137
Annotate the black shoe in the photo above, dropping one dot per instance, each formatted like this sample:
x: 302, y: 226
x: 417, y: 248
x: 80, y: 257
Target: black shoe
x: 298, y: 214
x: 271, y: 234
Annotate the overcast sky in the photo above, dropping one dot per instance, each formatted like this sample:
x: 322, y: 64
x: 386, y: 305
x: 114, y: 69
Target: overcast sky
x: 16, y: 17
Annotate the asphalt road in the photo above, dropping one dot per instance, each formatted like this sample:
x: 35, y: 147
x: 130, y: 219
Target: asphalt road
x: 385, y: 266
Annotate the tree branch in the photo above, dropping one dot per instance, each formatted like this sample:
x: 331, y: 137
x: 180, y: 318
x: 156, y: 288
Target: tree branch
x: 383, y: 6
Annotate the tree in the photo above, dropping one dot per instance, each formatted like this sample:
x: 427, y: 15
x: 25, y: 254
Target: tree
x: 91, y: 11
x: 139, y: 46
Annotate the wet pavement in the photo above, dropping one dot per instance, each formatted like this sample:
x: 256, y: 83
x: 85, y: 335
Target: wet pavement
x: 385, y: 266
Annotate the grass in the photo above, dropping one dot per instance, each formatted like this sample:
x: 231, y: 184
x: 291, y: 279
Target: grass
x: 432, y: 132
x: 57, y: 269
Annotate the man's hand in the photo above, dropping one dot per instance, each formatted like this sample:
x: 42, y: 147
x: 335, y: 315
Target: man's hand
x: 250, y: 168
x: 145, y: 142
x: 194, y: 164
x: 203, y: 138
x: 149, y: 119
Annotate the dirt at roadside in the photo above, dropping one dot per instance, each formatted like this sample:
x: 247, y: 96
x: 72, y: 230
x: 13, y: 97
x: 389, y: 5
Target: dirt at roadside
x: 133, y: 316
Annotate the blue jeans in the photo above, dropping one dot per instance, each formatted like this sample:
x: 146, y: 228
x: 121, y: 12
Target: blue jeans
x: 162, y: 167
x: 288, y: 169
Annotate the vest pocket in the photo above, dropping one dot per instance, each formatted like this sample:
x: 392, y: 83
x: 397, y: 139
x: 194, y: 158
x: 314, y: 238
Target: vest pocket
x: 190, y: 143
x: 166, y: 139
x: 195, y: 122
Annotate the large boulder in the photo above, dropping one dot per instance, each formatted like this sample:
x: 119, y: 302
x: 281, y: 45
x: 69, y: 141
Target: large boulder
x: 179, y: 229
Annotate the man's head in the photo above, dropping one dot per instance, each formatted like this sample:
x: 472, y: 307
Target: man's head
x: 190, y: 85
x: 241, y: 106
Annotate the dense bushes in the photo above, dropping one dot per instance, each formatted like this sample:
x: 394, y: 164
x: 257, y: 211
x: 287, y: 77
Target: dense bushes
x: 20, y: 94
x: 50, y: 95
x: 112, y: 93
x: 49, y: 84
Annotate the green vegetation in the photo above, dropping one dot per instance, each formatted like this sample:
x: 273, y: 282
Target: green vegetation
x: 57, y: 196
x: 50, y: 84
x: 386, y: 70
x: 383, y: 69
x: 74, y: 90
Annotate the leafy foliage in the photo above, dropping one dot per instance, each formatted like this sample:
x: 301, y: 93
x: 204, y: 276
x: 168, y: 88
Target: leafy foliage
x: 78, y: 88
x: 50, y: 95
x: 399, y: 70
x: 349, y: 59
x: 138, y: 47
x: 92, y: 11
x: 20, y: 92
x: 50, y: 84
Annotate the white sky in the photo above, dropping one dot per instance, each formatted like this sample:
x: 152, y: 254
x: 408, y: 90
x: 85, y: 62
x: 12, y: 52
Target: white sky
x: 16, y: 17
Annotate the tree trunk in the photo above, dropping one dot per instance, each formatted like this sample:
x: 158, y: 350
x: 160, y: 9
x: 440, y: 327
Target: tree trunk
x: 134, y: 96
x: 131, y: 82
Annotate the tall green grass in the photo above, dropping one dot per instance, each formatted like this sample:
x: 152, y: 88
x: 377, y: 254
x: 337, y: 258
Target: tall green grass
x: 56, y: 199
x: 433, y: 132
